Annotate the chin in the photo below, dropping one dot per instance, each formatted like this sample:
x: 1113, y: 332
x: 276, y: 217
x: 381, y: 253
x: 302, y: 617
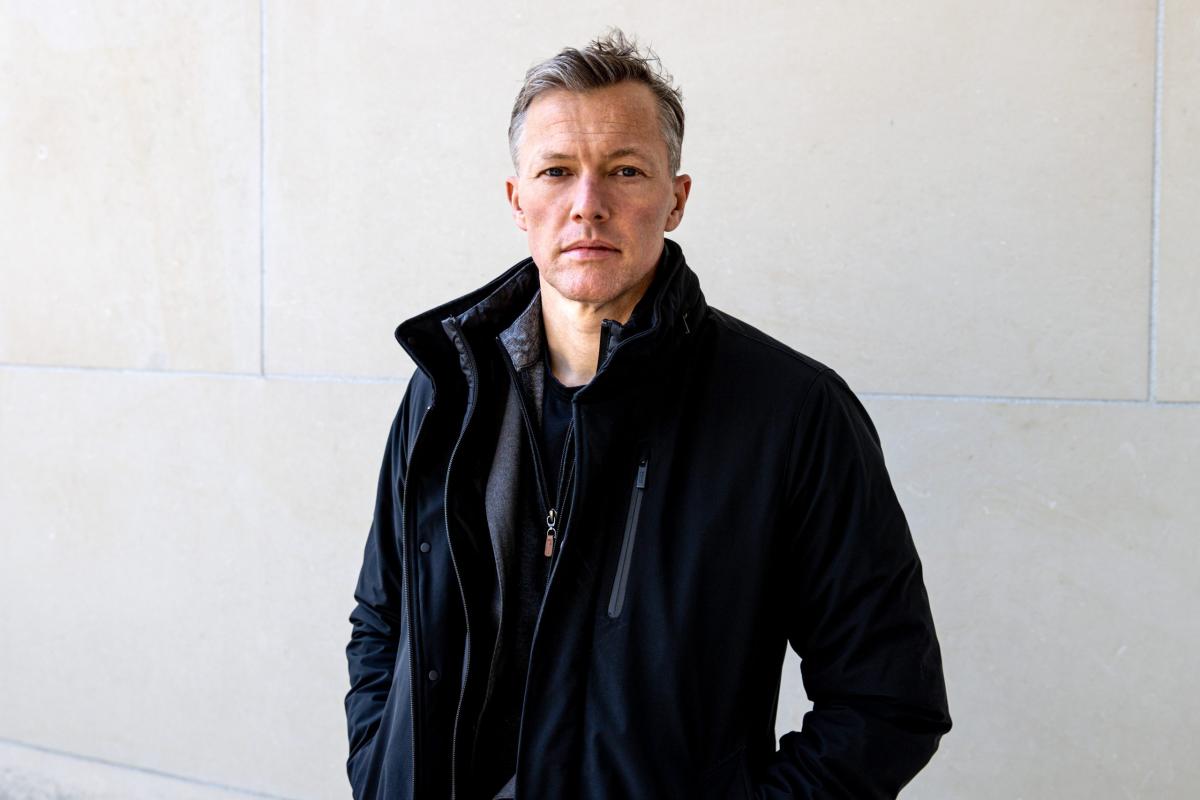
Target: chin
x: 590, y: 282
x: 586, y: 294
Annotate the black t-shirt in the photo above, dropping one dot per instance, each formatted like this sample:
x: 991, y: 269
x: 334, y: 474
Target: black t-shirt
x: 556, y: 421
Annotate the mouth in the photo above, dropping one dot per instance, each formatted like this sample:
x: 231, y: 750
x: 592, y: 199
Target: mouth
x: 590, y: 248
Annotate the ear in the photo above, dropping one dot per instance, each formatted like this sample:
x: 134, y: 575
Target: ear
x: 682, y: 188
x: 514, y: 200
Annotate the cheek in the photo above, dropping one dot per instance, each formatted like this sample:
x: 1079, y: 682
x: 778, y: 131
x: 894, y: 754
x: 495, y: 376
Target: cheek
x: 651, y: 214
x: 540, y: 209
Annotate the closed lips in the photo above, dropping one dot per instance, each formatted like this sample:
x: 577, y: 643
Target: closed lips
x: 589, y: 246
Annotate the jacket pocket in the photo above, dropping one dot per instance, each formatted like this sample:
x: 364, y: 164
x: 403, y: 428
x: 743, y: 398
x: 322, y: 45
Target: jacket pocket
x: 616, y: 600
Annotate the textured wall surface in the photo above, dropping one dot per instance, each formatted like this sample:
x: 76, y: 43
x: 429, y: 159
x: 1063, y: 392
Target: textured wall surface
x: 212, y: 216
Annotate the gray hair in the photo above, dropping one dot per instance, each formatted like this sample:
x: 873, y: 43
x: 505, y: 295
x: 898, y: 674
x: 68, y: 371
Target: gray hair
x: 606, y: 61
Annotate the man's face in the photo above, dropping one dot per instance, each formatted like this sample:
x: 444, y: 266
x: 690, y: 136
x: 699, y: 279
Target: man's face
x: 594, y: 192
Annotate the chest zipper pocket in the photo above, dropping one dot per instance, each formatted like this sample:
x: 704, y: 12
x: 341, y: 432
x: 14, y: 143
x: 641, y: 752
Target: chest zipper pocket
x: 617, y: 600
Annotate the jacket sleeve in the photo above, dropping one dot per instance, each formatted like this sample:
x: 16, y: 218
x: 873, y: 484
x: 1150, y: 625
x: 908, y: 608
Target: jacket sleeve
x: 857, y: 614
x: 378, y: 617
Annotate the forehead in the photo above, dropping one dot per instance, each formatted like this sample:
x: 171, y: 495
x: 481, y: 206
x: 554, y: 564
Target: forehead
x: 615, y: 116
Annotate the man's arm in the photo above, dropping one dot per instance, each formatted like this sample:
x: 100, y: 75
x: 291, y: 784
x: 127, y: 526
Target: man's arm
x: 378, y: 618
x: 857, y: 615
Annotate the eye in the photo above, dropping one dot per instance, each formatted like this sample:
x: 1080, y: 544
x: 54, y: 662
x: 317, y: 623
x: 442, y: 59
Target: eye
x: 629, y: 172
x: 554, y: 172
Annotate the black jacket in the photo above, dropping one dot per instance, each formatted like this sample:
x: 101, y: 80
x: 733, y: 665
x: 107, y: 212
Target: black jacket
x: 730, y: 497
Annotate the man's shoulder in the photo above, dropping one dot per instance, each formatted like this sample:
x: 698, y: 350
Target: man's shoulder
x: 755, y: 354
x: 774, y: 381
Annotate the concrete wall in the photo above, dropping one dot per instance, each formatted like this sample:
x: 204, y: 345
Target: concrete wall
x: 213, y: 214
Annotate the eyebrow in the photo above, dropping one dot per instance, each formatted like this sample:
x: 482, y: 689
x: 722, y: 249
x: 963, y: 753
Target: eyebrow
x: 620, y: 152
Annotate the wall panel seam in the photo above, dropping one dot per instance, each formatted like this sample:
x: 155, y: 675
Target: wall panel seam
x: 403, y: 379
x: 1018, y: 400
x: 144, y: 770
x: 1156, y: 200
x: 198, y: 373
x: 262, y: 187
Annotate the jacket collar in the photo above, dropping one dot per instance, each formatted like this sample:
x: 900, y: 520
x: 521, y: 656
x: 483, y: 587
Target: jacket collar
x: 439, y: 340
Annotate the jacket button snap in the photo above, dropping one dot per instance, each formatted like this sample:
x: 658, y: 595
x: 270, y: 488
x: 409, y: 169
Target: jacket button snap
x: 433, y: 674
x: 424, y: 547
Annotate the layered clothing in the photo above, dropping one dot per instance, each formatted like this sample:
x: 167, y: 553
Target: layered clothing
x: 721, y: 497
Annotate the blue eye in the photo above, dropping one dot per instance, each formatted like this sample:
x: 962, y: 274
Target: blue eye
x: 554, y: 172
x: 629, y: 172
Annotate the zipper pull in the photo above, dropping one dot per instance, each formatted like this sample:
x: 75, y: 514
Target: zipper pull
x: 549, y: 549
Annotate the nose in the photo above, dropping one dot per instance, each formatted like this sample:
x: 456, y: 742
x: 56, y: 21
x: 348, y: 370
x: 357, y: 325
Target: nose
x: 589, y: 203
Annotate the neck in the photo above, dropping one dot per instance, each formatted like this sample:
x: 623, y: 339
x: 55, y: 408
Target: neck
x: 573, y: 330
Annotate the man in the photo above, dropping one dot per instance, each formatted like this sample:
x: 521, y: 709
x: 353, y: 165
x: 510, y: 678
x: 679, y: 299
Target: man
x: 606, y: 508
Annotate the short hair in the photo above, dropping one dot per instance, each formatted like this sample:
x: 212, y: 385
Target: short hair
x: 606, y: 61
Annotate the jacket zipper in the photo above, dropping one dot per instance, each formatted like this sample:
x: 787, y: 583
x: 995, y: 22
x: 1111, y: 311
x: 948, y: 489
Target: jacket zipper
x: 617, y: 600
x: 542, y: 607
x: 552, y: 512
x: 458, y: 576
x: 559, y: 489
x: 552, y: 530
x: 552, y: 518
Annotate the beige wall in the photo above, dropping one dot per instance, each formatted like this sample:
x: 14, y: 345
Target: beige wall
x: 212, y: 215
